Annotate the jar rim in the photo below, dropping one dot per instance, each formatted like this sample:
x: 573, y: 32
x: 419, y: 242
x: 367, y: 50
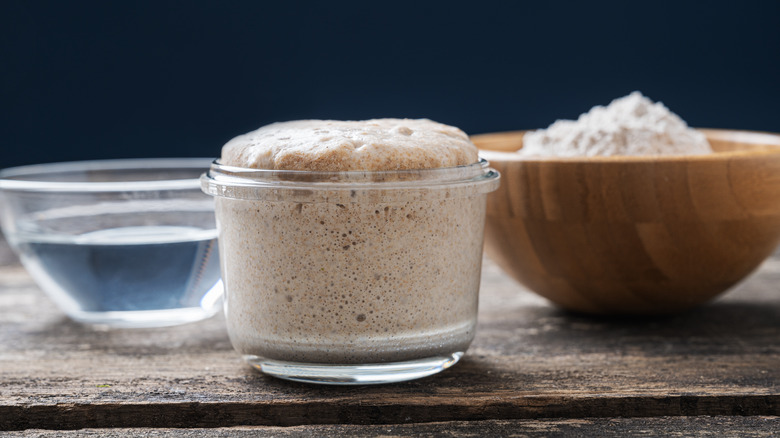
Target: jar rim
x: 218, y: 170
x: 243, y: 183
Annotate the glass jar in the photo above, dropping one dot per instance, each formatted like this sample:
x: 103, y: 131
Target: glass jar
x: 351, y: 277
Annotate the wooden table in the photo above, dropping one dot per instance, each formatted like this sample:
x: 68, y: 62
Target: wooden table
x: 533, y: 370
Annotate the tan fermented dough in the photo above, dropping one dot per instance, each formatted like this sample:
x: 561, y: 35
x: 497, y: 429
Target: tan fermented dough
x: 333, y: 145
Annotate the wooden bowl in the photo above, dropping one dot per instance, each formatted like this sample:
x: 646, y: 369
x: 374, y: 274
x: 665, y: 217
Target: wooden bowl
x: 634, y: 235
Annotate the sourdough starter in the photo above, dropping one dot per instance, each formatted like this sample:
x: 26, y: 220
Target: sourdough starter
x: 365, y: 275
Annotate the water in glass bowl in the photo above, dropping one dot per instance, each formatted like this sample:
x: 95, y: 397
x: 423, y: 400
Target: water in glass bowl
x: 133, y: 276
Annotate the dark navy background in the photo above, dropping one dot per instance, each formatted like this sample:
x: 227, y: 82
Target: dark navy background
x: 87, y: 80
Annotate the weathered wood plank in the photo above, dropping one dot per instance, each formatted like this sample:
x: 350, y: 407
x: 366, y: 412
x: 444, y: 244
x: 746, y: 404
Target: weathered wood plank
x: 7, y: 257
x: 529, y: 360
x: 199, y: 415
x: 746, y: 427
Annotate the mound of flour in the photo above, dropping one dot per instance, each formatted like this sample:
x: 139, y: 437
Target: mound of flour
x: 631, y: 125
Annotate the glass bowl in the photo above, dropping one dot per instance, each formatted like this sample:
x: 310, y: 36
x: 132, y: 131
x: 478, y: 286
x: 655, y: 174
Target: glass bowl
x: 129, y: 243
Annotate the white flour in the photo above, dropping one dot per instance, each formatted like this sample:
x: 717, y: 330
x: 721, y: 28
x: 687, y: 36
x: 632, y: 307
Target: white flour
x: 631, y: 125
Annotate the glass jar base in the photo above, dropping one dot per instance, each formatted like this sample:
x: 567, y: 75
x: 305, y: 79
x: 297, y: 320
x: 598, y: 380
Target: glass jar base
x: 354, y: 374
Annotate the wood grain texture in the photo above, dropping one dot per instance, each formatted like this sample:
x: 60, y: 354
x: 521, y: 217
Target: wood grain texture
x: 743, y: 427
x: 634, y: 235
x: 529, y: 360
x: 7, y: 256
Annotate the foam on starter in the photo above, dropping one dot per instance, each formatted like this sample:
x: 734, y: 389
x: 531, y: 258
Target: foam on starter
x: 335, y: 145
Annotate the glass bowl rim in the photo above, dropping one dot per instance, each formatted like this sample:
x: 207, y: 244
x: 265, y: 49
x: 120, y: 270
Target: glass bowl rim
x: 7, y: 181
